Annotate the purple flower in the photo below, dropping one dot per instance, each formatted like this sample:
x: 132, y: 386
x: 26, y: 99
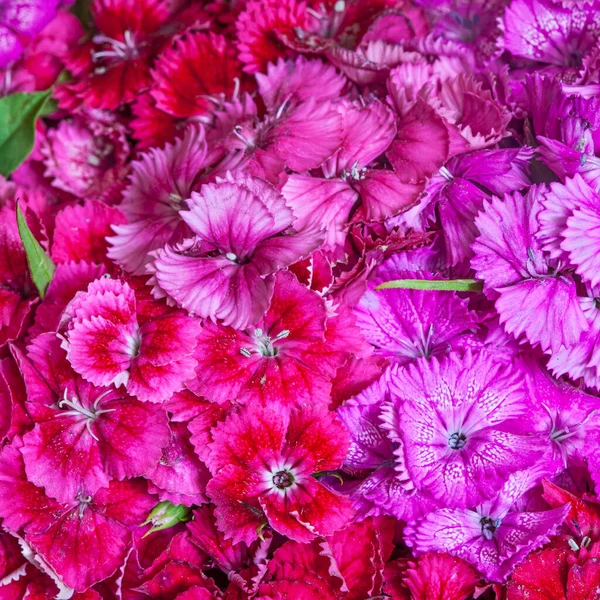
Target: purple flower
x: 494, y: 536
x: 455, y: 420
x: 535, y: 298
x: 19, y: 19
x: 405, y: 325
x: 380, y: 488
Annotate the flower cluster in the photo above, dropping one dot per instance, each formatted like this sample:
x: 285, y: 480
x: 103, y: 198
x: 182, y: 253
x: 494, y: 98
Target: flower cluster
x: 300, y: 299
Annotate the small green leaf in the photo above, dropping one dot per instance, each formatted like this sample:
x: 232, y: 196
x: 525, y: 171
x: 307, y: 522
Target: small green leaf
x: 165, y: 515
x: 18, y: 113
x: 41, y: 266
x: 448, y: 285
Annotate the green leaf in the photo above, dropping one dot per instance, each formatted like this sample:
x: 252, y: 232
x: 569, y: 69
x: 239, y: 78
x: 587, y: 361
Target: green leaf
x: 18, y: 113
x: 448, y: 285
x: 41, y: 266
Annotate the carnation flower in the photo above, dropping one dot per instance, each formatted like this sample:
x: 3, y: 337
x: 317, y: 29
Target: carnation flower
x: 161, y: 183
x: 115, y: 338
x: 494, y: 537
x: 260, y: 28
x: 536, y: 299
x: 20, y: 19
x: 85, y: 156
x: 455, y: 423
x: 270, y: 479
x: 378, y: 484
x: 347, y: 178
x: 114, y: 66
x: 462, y: 185
x: 542, y: 31
x: 80, y: 232
x: 84, y: 540
x: 565, y: 416
x: 570, y: 226
x: 564, y: 576
x: 289, y: 356
x: 404, y: 325
x: 83, y: 436
x: 221, y: 274
x: 432, y: 577
x: 581, y: 360
x: 182, y: 90
x: 179, y: 476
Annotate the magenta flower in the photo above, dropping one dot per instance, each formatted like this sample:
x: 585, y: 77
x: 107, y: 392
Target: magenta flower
x: 19, y: 20
x: 116, y: 336
x: 86, y: 155
x: 581, y: 359
x: 494, y: 536
x: 565, y: 416
x: 244, y: 235
x: 536, y: 299
x: 456, y: 423
x: 83, y: 436
x: 404, y: 325
x: 462, y: 185
x: 570, y: 226
x: 544, y: 32
x: 367, y: 132
x: 378, y: 485
x: 288, y: 357
x: 268, y: 478
x: 161, y: 183
x: 84, y: 539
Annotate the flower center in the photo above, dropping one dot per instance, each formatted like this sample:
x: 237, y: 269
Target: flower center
x: 115, y: 50
x: 354, y: 173
x: 84, y: 501
x: 457, y: 441
x: 283, y: 479
x: 264, y: 344
x: 77, y: 409
x: 489, y: 526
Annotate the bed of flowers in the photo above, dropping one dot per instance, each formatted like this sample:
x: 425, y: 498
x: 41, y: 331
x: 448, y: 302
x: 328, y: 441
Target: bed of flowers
x: 300, y: 299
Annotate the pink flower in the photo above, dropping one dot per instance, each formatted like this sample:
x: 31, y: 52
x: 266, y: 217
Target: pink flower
x: 114, y: 66
x: 86, y: 155
x: 80, y: 232
x: 83, y: 540
x: 268, y: 478
x: 458, y: 192
x: 178, y: 476
x: 244, y: 235
x: 536, y: 299
x: 161, y: 183
x: 116, y: 336
x: 298, y: 80
x: 430, y: 577
x: 366, y: 134
x: 541, y: 31
x: 260, y: 28
x: 378, y: 483
x: 570, y: 226
x: 581, y: 359
x: 456, y: 425
x: 493, y: 537
x: 288, y: 357
x: 565, y: 416
x: 83, y: 436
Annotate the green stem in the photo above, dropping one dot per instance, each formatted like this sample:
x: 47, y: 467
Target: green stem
x: 444, y: 285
